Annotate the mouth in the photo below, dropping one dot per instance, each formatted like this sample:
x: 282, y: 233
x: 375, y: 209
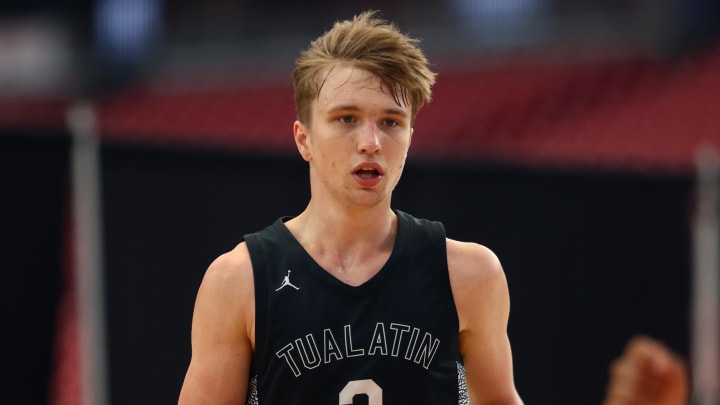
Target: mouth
x: 368, y: 170
x: 368, y: 174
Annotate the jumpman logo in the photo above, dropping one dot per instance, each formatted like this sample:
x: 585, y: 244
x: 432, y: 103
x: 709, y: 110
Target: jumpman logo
x: 286, y: 282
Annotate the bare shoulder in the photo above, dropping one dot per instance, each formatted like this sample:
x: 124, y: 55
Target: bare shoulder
x: 478, y: 282
x: 473, y: 263
x: 482, y: 300
x: 222, y: 332
x: 227, y: 289
x: 231, y: 269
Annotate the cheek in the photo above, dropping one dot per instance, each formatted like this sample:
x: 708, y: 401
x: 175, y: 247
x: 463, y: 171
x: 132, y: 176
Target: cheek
x: 402, y: 154
x: 400, y: 168
x: 327, y: 160
x: 325, y: 154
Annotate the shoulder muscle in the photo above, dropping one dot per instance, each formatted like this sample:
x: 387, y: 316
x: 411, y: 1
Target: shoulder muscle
x: 225, y: 302
x: 478, y: 283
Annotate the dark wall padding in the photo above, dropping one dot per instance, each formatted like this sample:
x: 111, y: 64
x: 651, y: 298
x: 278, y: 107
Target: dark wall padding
x: 33, y: 195
x: 591, y: 259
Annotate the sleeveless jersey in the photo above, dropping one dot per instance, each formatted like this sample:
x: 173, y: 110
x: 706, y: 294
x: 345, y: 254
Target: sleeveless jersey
x: 391, y: 340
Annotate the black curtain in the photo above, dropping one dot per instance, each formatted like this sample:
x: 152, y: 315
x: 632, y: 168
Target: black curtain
x: 591, y: 258
x: 33, y: 199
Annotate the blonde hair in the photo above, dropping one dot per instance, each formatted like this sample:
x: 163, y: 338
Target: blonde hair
x: 371, y: 44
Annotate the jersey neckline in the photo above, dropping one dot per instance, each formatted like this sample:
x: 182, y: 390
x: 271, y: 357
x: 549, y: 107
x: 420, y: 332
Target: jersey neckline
x: 401, y: 241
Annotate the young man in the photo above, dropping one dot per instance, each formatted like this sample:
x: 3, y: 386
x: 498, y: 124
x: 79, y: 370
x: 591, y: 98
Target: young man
x: 352, y: 301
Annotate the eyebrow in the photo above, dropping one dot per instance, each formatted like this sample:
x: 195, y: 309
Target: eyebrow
x: 392, y: 111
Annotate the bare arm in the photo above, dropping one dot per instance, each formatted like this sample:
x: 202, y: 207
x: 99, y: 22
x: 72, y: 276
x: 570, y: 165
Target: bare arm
x: 222, y: 333
x: 647, y: 373
x: 482, y: 299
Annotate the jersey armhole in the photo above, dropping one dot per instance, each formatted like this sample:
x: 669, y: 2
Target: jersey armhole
x: 257, y: 259
x: 440, y: 241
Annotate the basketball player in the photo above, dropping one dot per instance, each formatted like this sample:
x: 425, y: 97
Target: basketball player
x: 353, y: 301
x: 647, y: 373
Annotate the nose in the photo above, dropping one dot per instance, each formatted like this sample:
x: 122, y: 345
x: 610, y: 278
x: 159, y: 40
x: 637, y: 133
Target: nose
x: 370, y: 140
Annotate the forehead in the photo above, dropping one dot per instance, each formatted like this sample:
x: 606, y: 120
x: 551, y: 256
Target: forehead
x: 345, y: 84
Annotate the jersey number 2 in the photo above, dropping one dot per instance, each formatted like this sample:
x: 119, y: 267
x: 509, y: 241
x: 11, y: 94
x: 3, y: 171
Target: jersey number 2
x: 359, y: 387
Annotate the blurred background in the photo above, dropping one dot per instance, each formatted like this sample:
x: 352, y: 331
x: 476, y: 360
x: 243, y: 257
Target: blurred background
x: 139, y: 139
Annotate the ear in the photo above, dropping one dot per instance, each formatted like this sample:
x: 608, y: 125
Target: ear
x: 302, y: 140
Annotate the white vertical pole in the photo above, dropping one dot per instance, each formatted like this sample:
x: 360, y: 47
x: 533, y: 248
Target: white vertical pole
x: 706, y: 284
x: 88, y: 243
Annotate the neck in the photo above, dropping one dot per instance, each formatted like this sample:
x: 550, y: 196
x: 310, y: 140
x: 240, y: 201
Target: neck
x: 341, y: 240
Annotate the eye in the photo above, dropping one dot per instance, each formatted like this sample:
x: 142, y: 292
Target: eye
x: 347, y: 119
x: 390, y: 123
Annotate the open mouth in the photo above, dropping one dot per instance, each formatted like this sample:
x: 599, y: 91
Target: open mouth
x: 367, y: 173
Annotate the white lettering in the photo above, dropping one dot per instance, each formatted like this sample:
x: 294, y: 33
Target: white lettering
x: 349, y: 351
x: 405, y: 338
x: 331, y: 347
x: 378, y: 341
x: 308, y: 362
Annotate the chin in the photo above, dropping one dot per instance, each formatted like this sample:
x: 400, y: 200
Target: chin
x: 371, y: 198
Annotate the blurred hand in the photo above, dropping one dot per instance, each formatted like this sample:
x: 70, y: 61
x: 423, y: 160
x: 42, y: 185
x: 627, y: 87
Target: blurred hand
x: 647, y: 373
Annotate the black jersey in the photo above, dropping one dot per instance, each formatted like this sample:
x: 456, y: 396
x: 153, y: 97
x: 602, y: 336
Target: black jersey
x: 391, y: 340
